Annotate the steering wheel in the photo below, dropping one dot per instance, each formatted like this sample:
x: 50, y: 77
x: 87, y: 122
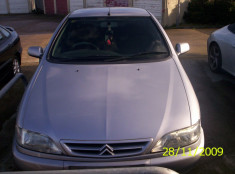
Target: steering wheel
x: 85, y: 43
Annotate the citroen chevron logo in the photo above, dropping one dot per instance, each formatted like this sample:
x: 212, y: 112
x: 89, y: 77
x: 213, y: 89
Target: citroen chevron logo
x: 106, y: 149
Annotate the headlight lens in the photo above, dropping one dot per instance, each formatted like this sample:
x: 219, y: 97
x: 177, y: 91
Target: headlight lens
x: 180, y: 138
x: 35, y: 141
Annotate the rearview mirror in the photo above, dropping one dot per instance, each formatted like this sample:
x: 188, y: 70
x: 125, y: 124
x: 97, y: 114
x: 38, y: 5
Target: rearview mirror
x: 35, y: 52
x: 182, y: 48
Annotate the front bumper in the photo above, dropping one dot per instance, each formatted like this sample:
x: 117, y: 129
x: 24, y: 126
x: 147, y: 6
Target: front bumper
x: 29, y: 160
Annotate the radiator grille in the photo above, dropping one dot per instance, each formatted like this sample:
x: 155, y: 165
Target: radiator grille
x: 105, y: 149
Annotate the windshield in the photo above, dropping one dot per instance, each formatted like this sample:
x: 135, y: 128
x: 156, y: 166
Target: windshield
x: 104, y: 39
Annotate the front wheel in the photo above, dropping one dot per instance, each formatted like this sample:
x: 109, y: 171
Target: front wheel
x: 215, y: 58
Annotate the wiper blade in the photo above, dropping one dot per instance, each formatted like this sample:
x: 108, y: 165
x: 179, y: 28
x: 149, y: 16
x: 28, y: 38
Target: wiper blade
x: 135, y: 55
x: 146, y: 53
x: 84, y: 58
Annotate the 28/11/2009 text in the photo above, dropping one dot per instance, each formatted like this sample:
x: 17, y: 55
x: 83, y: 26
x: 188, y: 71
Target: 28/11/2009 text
x: 205, y: 151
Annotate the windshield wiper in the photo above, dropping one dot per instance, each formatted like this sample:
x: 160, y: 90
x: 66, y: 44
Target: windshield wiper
x: 84, y: 58
x: 107, y: 58
x: 135, y: 55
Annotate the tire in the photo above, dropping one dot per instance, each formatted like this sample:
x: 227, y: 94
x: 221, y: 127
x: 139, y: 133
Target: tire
x: 16, y: 66
x: 214, y: 58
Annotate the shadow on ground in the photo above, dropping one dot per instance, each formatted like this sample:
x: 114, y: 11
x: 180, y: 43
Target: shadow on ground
x: 9, y: 104
x: 215, y: 93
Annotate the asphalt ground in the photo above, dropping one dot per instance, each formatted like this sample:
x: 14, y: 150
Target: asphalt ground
x: 215, y: 92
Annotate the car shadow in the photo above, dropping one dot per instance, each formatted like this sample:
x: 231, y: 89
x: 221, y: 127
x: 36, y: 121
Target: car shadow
x: 215, y: 93
x: 9, y: 105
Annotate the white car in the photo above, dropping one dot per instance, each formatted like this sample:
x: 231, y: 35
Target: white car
x: 221, y: 49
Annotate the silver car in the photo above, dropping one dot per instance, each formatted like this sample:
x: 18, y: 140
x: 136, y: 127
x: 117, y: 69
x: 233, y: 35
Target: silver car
x: 109, y: 91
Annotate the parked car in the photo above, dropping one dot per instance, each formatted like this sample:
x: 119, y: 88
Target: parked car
x: 109, y: 91
x: 10, y: 54
x: 221, y: 49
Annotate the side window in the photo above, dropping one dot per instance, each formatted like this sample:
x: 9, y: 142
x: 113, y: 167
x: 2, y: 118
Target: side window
x: 231, y: 28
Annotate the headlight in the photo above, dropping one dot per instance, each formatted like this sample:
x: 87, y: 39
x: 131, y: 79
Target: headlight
x: 179, y: 138
x: 35, y: 141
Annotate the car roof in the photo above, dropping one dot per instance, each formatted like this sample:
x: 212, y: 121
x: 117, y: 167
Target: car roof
x: 112, y: 11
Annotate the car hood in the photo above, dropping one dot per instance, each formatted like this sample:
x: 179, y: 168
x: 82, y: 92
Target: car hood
x: 107, y: 102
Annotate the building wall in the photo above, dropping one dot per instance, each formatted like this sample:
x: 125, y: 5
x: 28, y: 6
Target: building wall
x: 166, y: 11
x: 18, y: 6
x: 154, y: 6
x: 3, y: 7
x: 117, y: 3
x: 94, y: 3
x: 171, y: 13
x: 39, y: 5
x: 15, y: 6
x: 62, y: 6
x: 49, y: 7
x: 75, y: 4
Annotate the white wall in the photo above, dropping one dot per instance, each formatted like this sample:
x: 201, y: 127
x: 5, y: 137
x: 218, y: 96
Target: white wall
x: 75, y: 4
x: 19, y: 6
x: 3, y: 7
x: 171, y: 12
x: 154, y: 6
x: 94, y: 3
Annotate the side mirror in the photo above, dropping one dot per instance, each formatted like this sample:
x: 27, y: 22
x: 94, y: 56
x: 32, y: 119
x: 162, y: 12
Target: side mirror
x: 35, y: 52
x: 182, y: 48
